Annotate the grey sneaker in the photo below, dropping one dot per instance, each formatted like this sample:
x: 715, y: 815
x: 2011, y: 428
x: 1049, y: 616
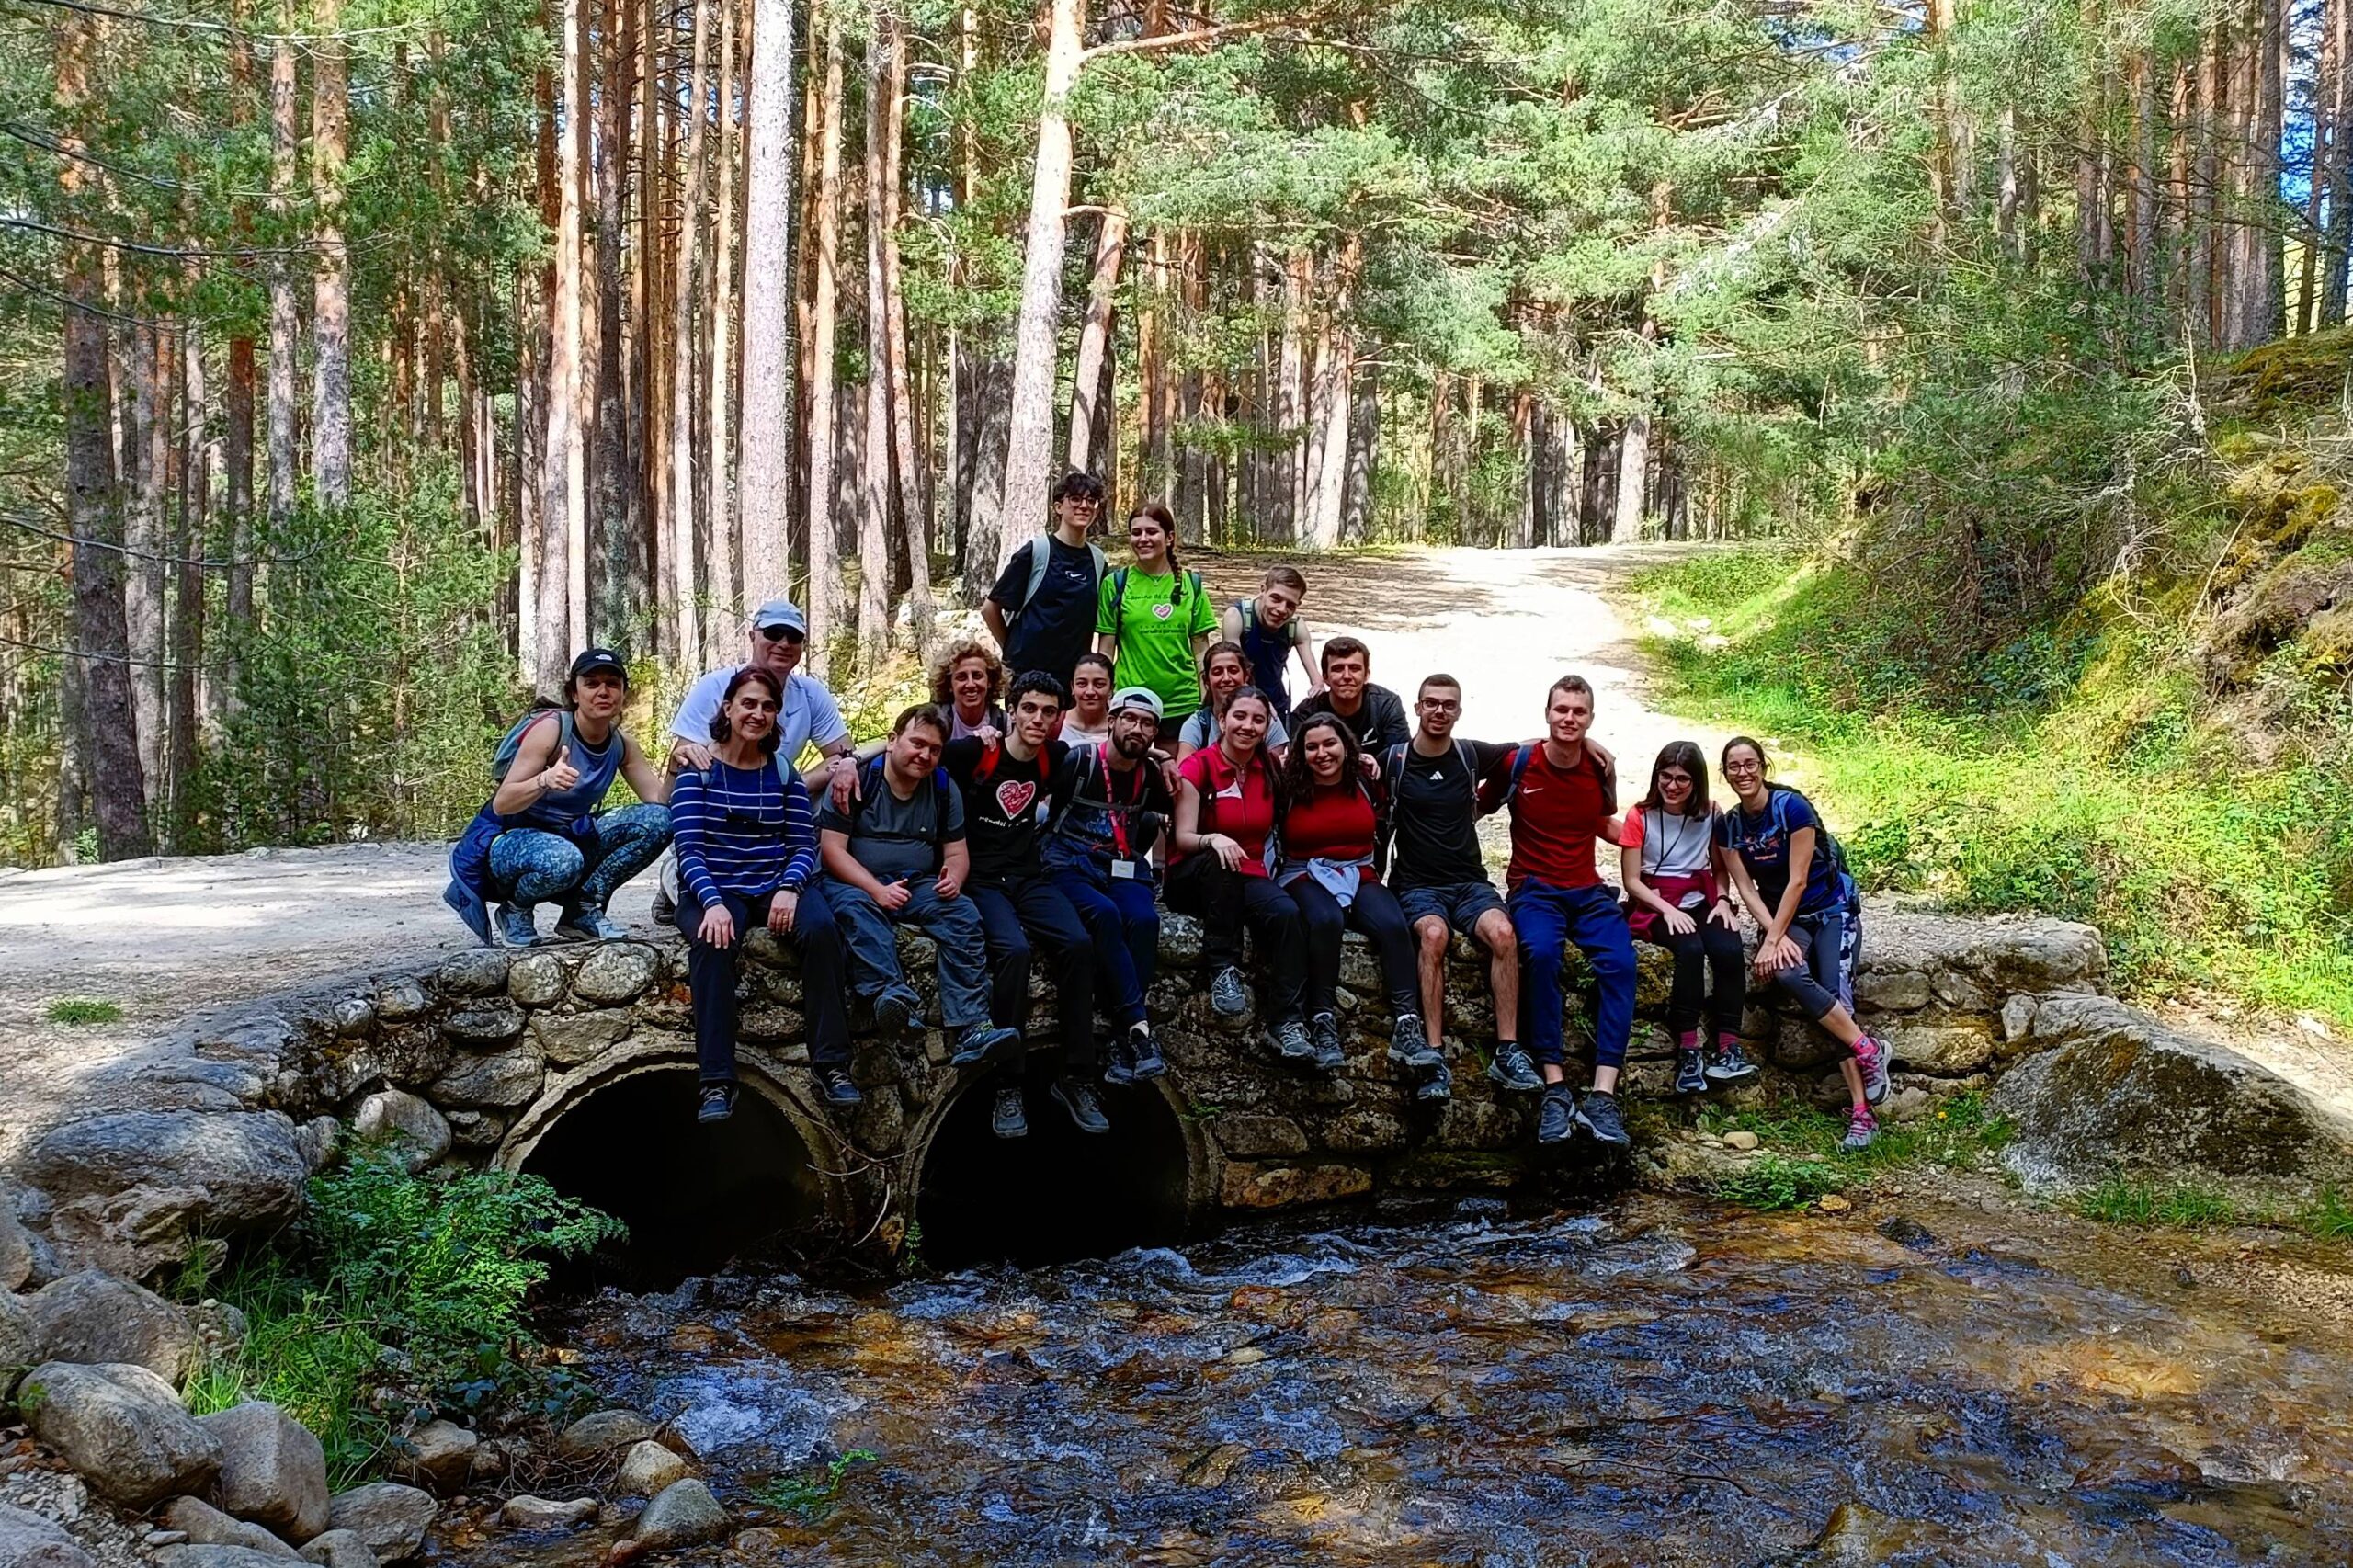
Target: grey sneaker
x: 1407, y: 1048
x: 1597, y: 1114
x: 1145, y: 1048
x: 590, y: 926
x: 516, y: 927
x: 895, y: 1010
x: 718, y: 1102
x: 1118, y: 1061
x: 1007, y: 1119
x: 1871, y: 1057
x: 1438, y: 1087
x: 1691, y: 1073
x: 1323, y: 1034
x: 1558, y: 1116
x: 1290, y: 1039
x: 1514, y: 1069
x: 983, y: 1044
x: 1086, y: 1111
x: 1862, y: 1131
x: 1730, y: 1065
x: 1228, y: 996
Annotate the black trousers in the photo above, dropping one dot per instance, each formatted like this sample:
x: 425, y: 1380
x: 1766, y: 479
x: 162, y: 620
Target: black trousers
x: 1021, y: 916
x: 1226, y: 903
x: 1374, y: 913
x: 1711, y: 947
x: 710, y: 980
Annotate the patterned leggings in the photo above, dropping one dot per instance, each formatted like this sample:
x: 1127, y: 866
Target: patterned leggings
x: 529, y: 866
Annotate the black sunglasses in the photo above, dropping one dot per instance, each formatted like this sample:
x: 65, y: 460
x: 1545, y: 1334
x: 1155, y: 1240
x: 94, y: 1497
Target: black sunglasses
x: 780, y: 634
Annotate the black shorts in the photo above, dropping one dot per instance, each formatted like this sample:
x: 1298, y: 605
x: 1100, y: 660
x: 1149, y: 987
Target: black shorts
x: 1459, y: 905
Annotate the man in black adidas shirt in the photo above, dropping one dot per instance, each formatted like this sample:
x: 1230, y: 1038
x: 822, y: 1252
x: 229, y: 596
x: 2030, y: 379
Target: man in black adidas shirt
x: 1005, y: 784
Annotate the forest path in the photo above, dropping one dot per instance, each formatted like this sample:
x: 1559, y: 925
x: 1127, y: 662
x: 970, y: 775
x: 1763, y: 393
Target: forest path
x: 166, y: 940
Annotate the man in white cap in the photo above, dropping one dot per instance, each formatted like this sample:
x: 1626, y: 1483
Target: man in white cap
x: 778, y: 636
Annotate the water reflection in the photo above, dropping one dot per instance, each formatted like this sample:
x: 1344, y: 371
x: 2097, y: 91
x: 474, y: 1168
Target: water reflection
x: 1652, y: 1384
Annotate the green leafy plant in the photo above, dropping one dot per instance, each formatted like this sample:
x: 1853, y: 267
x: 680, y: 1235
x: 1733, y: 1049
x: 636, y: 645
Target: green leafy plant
x: 2329, y: 1216
x: 2121, y: 1201
x: 814, y: 1494
x: 1775, y: 1181
x: 82, y: 1010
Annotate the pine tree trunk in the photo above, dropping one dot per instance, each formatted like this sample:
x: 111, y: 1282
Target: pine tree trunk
x: 725, y: 612
x: 874, y: 553
x: 144, y: 583
x: 1364, y: 451
x: 188, y: 617
x: 684, y: 276
x: 825, y: 600
x: 1094, y: 339
x: 2267, y: 261
x: 2337, y: 85
x: 909, y: 454
x: 331, y: 329
x: 562, y: 582
x: 612, y: 611
x: 2207, y: 207
x: 771, y: 346
x: 283, y: 323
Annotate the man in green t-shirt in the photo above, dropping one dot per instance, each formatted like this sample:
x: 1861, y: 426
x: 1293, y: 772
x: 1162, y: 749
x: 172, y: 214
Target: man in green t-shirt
x: 1153, y: 619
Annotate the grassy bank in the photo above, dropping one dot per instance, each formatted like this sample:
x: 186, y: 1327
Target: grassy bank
x: 2078, y: 773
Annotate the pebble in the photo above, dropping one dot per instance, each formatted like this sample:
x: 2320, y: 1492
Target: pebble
x: 2183, y: 1278
x: 1742, y: 1141
x: 1833, y: 1204
x: 166, y: 1538
x: 1248, y: 1356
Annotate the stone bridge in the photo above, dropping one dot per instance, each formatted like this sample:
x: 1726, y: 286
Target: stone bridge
x: 578, y: 1062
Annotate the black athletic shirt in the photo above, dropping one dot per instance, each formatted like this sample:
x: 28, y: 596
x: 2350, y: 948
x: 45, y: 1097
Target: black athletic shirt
x: 1001, y: 810
x: 1059, y: 624
x: 1379, y: 720
x: 1436, y: 818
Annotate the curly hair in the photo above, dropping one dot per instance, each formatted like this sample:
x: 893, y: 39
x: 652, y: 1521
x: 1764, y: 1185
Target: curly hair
x: 943, y: 689
x: 1299, y: 784
x: 750, y: 675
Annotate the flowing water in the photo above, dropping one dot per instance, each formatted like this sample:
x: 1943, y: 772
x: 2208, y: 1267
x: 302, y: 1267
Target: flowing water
x: 1652, y: 1382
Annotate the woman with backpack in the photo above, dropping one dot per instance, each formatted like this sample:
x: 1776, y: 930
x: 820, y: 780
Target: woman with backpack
x: 1790, y: 874
x: 1228, y: 804
x: 747, y: 855
x: 1673, y: 900
x: 1225, y: 669
x: 1328, y: 828
x: 1153, y: 618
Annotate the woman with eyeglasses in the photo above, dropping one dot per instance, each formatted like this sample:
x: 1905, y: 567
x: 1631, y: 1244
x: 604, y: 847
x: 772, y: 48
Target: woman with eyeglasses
x: 1666, y: 860
x: 747, y: 854
x: 1792, y: 876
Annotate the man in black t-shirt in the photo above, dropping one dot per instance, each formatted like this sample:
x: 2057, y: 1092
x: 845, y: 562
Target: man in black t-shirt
x: 1042, y: 609
x: 1374, y: 712
x: 1005, y: 784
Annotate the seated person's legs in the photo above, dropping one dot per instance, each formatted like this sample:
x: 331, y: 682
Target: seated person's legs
x: 954, y: 926
x: 871, y: 943
x: 825, y: 1001
x: 627, y: 841
x: 529, y: 868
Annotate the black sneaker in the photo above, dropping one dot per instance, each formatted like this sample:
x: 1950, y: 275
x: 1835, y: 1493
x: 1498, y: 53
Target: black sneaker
x: 1514, y: 1069
x: 982, y: 1044
x: 1228, y: 994
x: 1438, y: 1087
x: 1558, y: 1116
x: 1597, y: 1114
x: 1691, y: 1073
x: 1730, y: 1065
x: 1119, y: 1063
x: 1290, y: 1039
x: 1323, y: 1034
x: 895, y: 1010
x: 839, y: 1090
x: 1007, y: 1119
x: 1407, y: 1049
x: 718, y: 1102
x: 1144, y: 1052
x: 1085, y: 1112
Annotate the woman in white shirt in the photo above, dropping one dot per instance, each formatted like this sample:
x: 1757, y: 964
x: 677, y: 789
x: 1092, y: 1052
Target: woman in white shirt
x: 1665, y: 860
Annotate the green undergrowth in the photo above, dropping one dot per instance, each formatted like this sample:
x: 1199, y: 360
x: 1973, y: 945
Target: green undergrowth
x: 399, y: 1295
x: 811, y: 1496
x: 1799, y: 1159
x: 2076, y: 773
x: 2121, y: 1201
x: 82, y: 1010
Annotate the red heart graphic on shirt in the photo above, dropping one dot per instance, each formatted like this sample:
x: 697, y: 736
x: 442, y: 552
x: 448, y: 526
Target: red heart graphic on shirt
x: 1015, y: 799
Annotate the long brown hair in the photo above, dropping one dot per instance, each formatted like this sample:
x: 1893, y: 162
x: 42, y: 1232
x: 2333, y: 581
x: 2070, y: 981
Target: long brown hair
x: 1298, y: 782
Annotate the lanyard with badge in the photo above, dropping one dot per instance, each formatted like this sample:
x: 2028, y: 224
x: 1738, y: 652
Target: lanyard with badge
x: 1125, y: 865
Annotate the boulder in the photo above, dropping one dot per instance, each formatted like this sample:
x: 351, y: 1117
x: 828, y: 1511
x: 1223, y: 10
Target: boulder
x: 338, y: 1549
x: 648, y: 1469
x: 1947, y: 1045
x: 615, y: 972
x: 1248, y: 1186
x: 1253, y: 1137
x: 602, y: 1432
x: 571, y: 1039
x: 530, y: 1512
x: 93, y: 1318
x: 503, y: 1080
x: 401, y: 1002
x: 15, y: 1246
x: 205, y: 1525
x: 273, y: 1470
x: 390, y: 1518
x: 2117, y: 1092
x: 29, y: 1540
x: 403, y: 1126
x: 19, y: 1339
x: 438, y: 1456
x: 478, y: 972
x: 682, y: 1514
x: 131, y: 1187
x: 123, y: 1428
x: 191, y: 1555
x: 492, y: 1021
x: 536, y: 980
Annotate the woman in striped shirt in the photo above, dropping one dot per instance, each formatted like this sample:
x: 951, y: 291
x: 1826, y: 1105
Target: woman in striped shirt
x: 747, y: 851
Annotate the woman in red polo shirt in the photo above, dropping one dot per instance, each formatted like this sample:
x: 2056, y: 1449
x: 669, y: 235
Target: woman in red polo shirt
x: 1226, y: 810
x: 1327, y: 835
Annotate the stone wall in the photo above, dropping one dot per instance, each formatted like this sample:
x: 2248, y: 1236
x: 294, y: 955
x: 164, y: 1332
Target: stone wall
x: 478, y: 1058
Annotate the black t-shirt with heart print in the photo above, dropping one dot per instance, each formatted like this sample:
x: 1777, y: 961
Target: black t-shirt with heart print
x: 1004, y: 802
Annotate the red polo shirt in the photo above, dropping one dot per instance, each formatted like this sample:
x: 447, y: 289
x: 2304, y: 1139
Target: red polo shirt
x: 1241, y: 806
x: 1556, y: 817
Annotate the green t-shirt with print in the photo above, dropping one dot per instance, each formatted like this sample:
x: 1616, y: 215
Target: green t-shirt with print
x: 1158, y: 618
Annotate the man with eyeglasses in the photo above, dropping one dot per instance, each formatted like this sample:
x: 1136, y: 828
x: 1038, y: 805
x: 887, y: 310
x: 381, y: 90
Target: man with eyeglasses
x: 1042, y: 609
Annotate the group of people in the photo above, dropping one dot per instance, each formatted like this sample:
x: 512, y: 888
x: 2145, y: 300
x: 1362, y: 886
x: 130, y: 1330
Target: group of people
x: 1128, y: 742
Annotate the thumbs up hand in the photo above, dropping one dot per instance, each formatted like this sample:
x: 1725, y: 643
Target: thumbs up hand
x: 560, y: 775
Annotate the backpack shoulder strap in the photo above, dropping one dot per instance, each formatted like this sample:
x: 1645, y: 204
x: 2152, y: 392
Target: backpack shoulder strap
x: 985, y: 769
x: 1102, y: 562
x: 940, y: 784
x: 1470, y: 756
x: 1195, y: 588
x: 1041, y: 554
x: 1392, y: 770
x: 1119, y: 599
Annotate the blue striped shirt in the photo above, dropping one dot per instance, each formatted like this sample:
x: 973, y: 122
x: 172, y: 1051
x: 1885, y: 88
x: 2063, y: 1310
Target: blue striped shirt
x: 742, y: 831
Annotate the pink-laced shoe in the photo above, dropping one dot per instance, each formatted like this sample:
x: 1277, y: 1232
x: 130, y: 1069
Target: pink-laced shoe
x: 1862, y: 1127
x: 1871, y: 1057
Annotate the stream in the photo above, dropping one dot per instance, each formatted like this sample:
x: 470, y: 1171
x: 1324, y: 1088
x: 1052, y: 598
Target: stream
x: 1654, y: 1381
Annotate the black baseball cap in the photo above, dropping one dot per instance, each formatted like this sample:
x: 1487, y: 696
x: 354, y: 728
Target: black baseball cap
x: 599, y: 659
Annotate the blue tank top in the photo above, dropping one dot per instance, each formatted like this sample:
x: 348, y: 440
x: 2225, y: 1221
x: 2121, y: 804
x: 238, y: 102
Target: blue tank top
x: 598, y: 765
x: 1269, y: 651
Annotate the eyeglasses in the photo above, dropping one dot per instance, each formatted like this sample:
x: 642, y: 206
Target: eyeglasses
x: 1435, y: 706
x: 1093, y: 501
x: 781, y: 634
x: 1675, y: 778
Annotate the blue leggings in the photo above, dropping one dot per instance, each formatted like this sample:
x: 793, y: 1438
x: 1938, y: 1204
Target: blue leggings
x: 528, y: 866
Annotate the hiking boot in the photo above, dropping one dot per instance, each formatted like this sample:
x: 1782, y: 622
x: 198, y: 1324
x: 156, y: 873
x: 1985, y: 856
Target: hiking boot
x: 665, y: 908
x: 1863, y: 1129
x: 1514, y: 1069
x: 1558, y: 1116
x: 983, y: 1044
x: 590, y: 926
x: 1729, y: 1063
x: 1118, y: 1061
x: 1438, y: 1087
x: 1597, y: 1114
x: 1228, y: 996
x: 1691, y: 1073
x: 838, y: 1087
x: 1871, y: 1057
x: 1408, y: 1049
x: 1291, y: 1040
x: 1323, y: 1034
x: 516, y: 927
x: 1086, y: 1111
x: 895, y: 1010
x: 718, y: 1102
x: 1007, y: 1119
x: 1145, y: 1053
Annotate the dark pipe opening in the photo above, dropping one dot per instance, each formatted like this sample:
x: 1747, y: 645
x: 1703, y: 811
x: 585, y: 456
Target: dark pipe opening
x: 1057, y: 1193
x: 694, y: 1197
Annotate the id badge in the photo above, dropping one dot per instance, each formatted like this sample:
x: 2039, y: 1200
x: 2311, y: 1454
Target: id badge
x: 1123, y: 870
